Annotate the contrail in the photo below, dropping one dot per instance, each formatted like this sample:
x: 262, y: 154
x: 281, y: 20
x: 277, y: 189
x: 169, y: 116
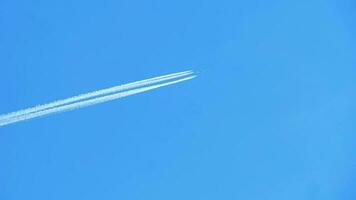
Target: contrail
x: 92, y: 98
x: 97, y: 93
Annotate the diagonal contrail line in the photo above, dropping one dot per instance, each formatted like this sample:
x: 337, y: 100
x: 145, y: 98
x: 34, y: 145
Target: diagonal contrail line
x: 85, y: 103
x: 96, y: 93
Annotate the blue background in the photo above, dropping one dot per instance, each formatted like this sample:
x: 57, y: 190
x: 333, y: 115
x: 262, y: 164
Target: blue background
x: 271, y: 115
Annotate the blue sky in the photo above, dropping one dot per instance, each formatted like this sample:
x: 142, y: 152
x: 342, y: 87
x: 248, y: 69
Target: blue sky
x: 271, y: 115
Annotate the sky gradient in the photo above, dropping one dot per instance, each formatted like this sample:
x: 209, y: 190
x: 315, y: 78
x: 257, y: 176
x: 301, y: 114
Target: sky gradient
x: 271, y: 114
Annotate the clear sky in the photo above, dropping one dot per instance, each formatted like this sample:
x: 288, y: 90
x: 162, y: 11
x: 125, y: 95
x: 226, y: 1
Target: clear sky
x: 271, y: 115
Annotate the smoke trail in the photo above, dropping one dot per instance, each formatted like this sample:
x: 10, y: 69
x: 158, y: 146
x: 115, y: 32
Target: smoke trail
x: 85, y: 103
x: 95, y: 94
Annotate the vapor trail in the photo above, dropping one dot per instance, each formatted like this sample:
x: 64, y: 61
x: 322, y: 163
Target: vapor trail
x: 84, y: 103
x: 95, y: 94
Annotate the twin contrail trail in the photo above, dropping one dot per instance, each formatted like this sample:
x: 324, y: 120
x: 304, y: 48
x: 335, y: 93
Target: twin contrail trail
x: 95, y: 97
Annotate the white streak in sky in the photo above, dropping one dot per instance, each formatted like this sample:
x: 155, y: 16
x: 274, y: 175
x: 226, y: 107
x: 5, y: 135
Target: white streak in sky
x: 97, y: 93
x: 92, y: 98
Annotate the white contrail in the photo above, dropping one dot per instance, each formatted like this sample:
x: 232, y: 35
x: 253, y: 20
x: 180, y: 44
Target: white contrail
x: 84, y: 103
x: 95, y: 94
